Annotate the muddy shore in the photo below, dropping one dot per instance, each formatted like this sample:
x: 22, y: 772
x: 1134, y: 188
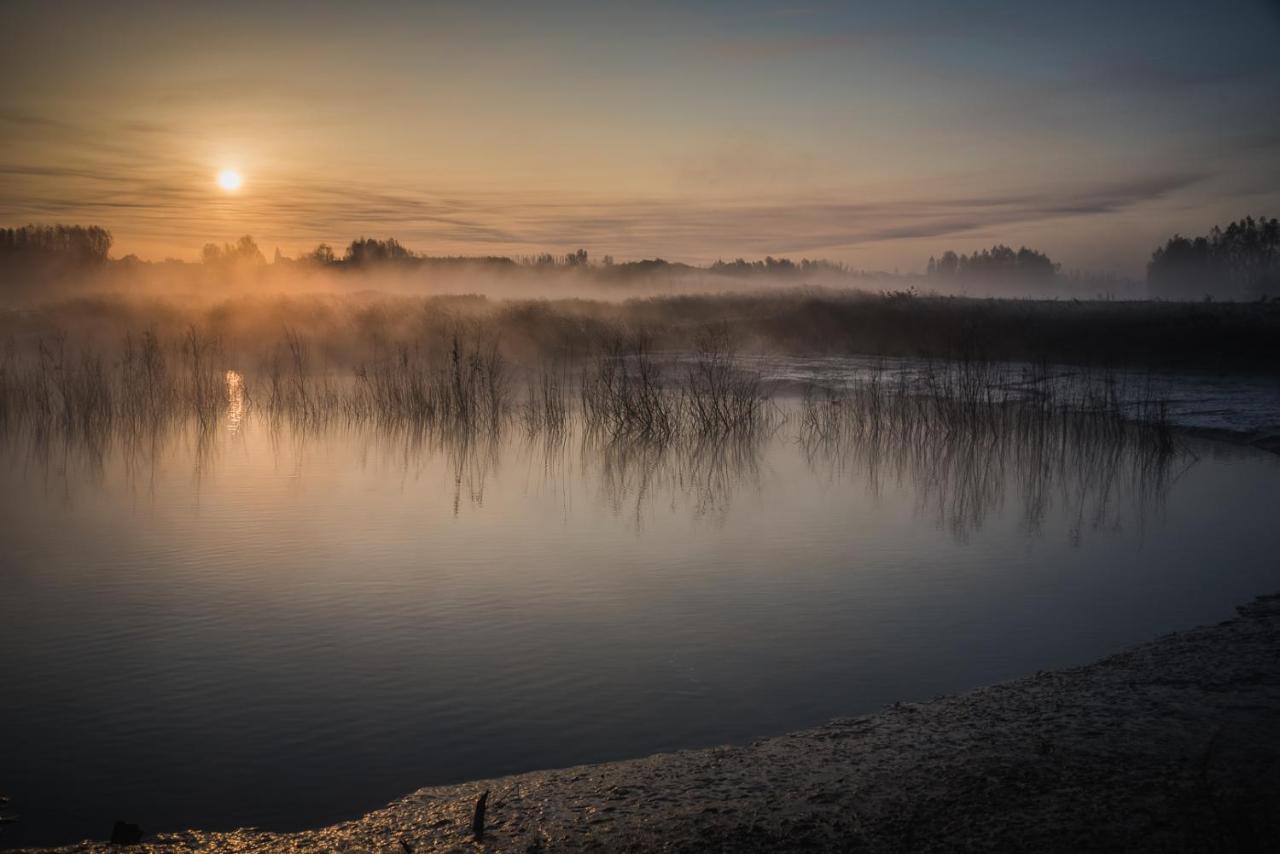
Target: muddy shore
x: 1173, y: 745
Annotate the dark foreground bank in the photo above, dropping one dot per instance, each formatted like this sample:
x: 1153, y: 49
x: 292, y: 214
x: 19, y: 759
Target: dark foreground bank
x: 1173, y: 745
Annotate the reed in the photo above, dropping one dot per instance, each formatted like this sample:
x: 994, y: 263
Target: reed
x: 546, y: 404
x: 623, y: 393
x: 989, y: 399
x: 469, y: 387
x: 1078, y: 441
x: 459, y: 380
x: 720, y: 396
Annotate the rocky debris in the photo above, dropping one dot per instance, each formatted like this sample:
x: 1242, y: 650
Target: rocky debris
x: 1173, y: 745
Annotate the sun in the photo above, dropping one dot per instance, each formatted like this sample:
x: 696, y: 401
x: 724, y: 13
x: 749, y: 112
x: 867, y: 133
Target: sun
x: 229, y: 180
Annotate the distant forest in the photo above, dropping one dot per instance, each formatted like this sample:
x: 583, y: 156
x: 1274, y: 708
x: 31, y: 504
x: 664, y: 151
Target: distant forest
x: 997, y: 263
x: 74, y: 245
x: 77, y: 247
x: 1241, y: 261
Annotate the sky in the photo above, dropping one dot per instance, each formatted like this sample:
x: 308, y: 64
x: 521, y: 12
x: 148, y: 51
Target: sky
x: 873, y: 133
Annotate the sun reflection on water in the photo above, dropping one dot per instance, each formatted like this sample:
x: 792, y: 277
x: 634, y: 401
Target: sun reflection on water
x: 235, y: 401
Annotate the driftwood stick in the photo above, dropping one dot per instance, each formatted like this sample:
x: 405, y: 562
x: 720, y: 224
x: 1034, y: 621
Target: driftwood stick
x: 477, y: 821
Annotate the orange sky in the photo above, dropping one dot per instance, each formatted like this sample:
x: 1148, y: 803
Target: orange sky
x: 857, y: 132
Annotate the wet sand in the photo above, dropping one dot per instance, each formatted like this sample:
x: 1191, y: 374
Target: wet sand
x: 1173, y: 745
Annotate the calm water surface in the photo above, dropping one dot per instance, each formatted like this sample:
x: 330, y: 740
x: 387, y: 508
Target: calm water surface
x: 256, y: 625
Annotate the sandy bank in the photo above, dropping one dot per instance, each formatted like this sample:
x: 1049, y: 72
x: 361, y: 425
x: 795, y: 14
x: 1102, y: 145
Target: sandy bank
x: 1173, y: 745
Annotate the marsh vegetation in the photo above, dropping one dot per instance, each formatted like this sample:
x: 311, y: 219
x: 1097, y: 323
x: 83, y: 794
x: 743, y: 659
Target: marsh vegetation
x: 474, y: 367
x: 640, y: 414
x: 422, y: 502
x: 783, y: 458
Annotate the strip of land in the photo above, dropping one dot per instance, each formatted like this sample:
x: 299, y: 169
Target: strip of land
x: 1173, y: 745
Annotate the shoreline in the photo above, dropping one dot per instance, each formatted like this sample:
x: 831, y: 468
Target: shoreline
x: 1262, y: 440
x: 1173, y: 744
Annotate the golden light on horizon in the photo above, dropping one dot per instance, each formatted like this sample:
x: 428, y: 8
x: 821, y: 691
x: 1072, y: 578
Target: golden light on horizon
x: 229, y: 180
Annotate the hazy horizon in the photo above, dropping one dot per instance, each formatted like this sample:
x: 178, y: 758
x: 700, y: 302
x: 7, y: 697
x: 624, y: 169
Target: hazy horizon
x: 876, y: 137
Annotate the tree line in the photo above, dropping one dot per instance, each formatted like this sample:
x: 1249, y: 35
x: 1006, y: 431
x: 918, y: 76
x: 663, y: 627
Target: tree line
x: 778, y: 266
x: 76, y: 245
x: 1239, y: 261
x: 1000, y: 263
x: 89, y: 245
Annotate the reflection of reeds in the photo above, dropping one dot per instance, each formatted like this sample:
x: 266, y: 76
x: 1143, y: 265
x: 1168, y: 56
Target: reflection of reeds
x: 720, y: 397
x: 148, y: 383
x: 82, y: 397
x: 466, y: 388
x: 625, y: 392
x: 958, y: 431
x: 692, y: 421
x: 980, y: 398
x: 546, y: 405
x: 708, y: 470
x: 629, y: 394
x: 205, y: 391
x: 623, y: 395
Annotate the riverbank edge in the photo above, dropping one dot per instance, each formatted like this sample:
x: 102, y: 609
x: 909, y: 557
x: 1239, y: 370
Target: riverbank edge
x: 1170, y: 745
x: 1263, y: 440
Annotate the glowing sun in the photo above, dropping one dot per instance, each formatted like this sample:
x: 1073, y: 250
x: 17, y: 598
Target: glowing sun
x: 229, y: 180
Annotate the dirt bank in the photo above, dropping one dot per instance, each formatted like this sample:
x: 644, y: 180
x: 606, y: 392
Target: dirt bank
x: 1173, y: 745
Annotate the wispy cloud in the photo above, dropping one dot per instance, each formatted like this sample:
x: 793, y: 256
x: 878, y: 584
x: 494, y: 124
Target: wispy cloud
x: 177, y: 208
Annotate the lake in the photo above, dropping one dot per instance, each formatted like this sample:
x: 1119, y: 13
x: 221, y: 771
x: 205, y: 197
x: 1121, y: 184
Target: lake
x: 260, y: 624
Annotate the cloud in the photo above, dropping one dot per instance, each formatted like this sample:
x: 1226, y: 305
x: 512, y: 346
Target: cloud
x: 26, y: 119
x: 125, y: 182
x: 187, y: 212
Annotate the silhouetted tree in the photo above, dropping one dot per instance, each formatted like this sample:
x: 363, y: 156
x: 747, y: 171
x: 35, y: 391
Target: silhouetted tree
x: 321, y: 256
x: 998, y: 264
x: 1242, y: 260
x: 368, y: 251
x: 244, y: 251
x: 821, y: 265
x: 76, y: 245
x: 775, y: 266
x: 949, y: 265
